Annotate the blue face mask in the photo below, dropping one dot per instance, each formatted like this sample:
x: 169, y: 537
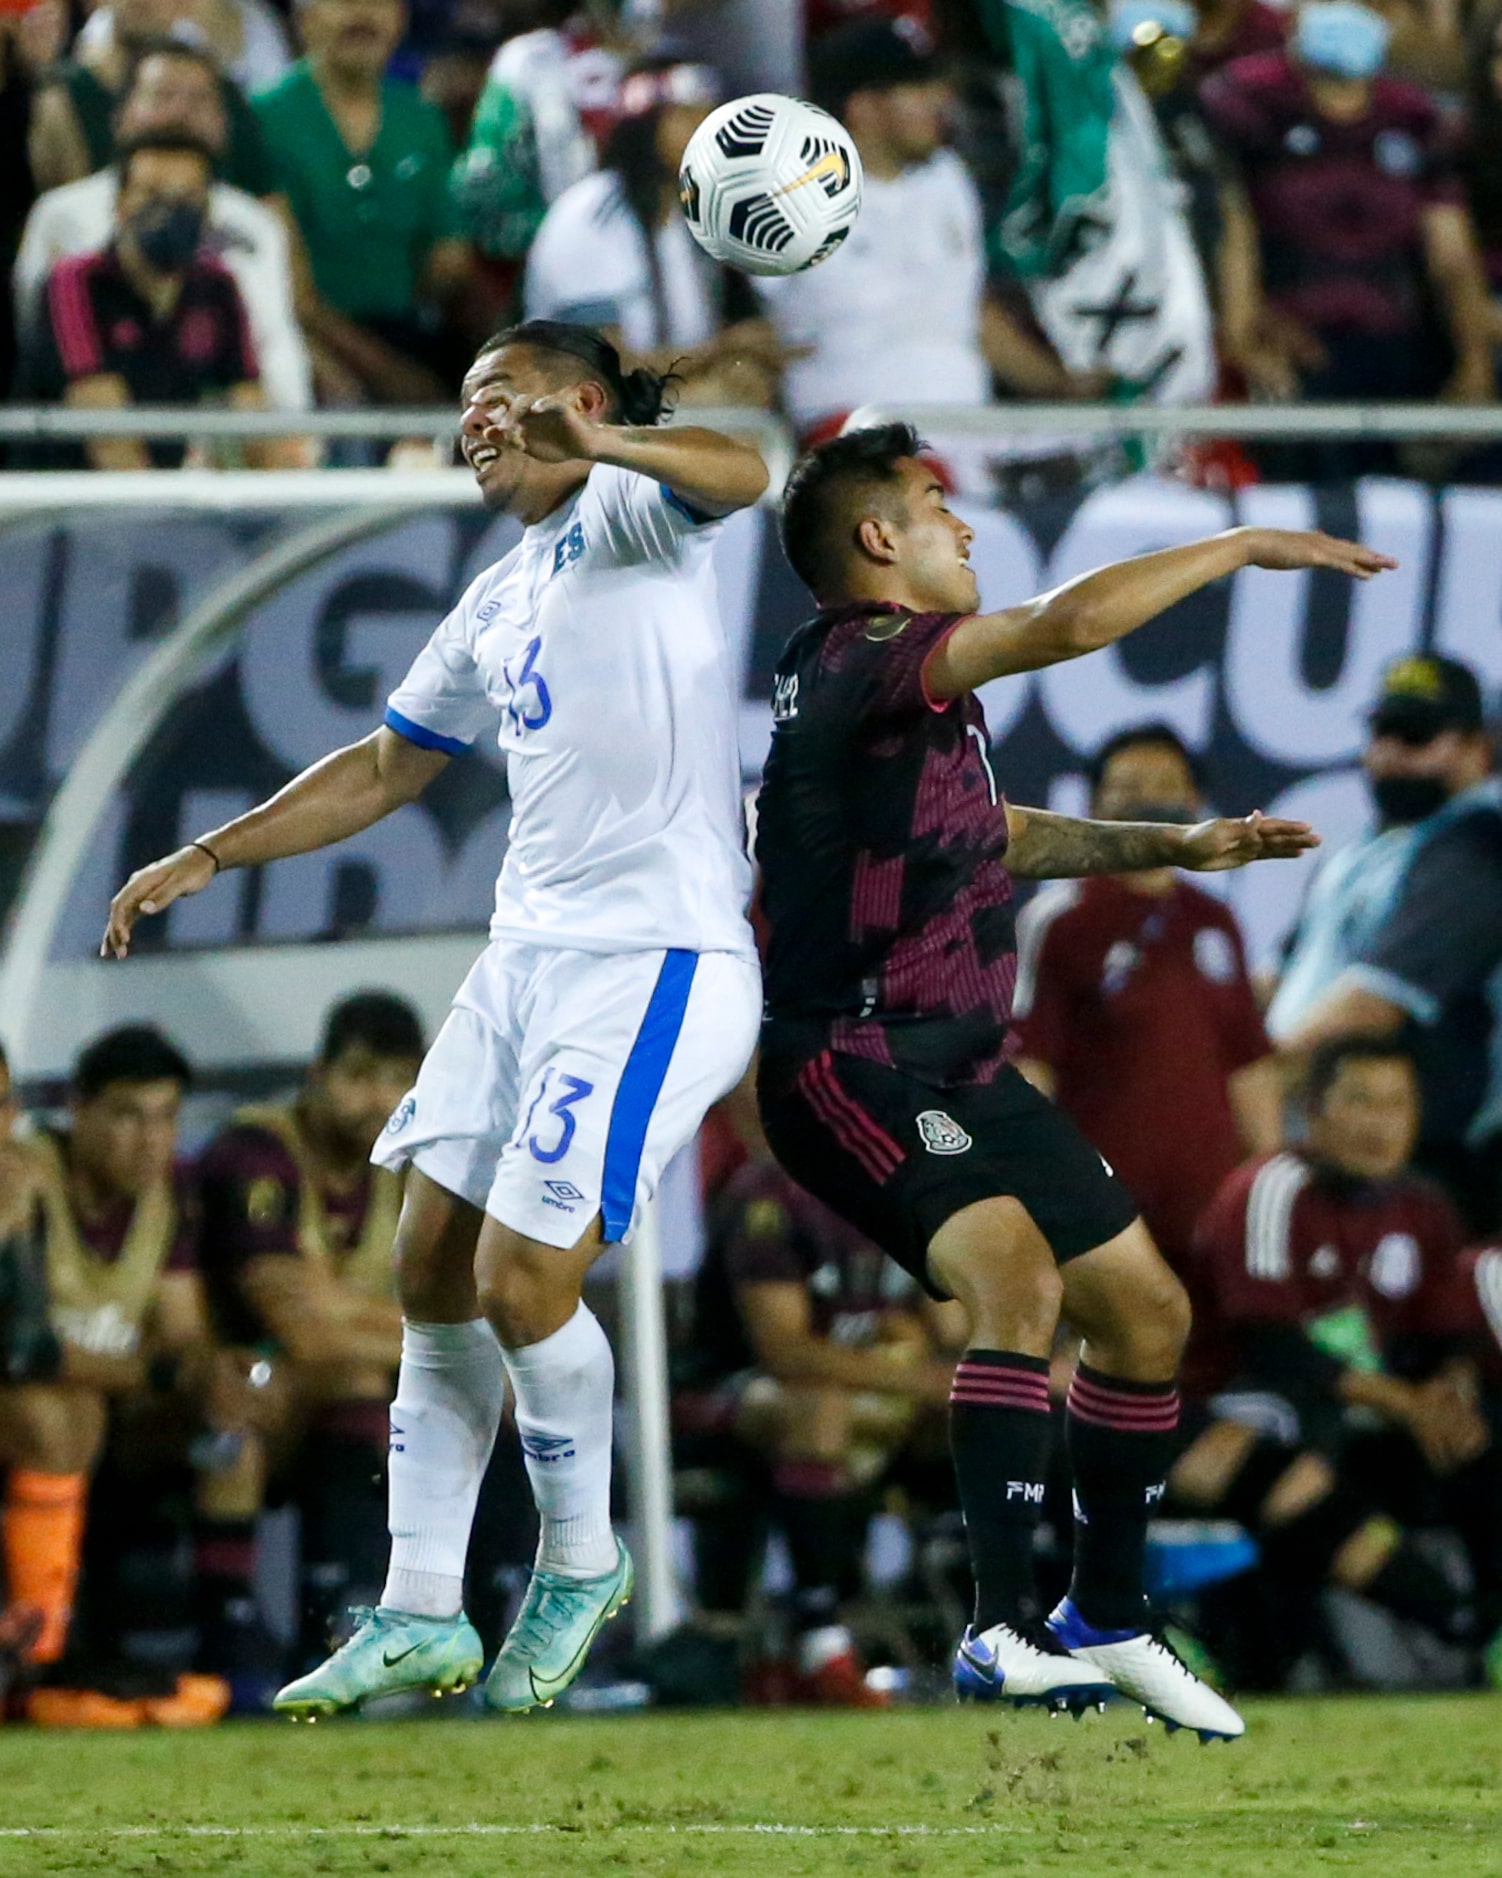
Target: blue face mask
x: 1174, y: 17
x: 1341, y: 37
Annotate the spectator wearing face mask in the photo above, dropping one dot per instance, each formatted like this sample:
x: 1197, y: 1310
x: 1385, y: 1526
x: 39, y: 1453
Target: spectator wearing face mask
x: 1357, y: 274
x: 1135, y: 1010
x: 174, y: 90
x: 1401, y: 931
x: 152, y: 318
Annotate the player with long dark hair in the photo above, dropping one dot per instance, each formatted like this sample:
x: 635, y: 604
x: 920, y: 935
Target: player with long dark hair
x: 617, y: 1000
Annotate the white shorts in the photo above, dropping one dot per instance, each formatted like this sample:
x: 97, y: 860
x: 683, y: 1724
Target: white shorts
x: 563, y: 1082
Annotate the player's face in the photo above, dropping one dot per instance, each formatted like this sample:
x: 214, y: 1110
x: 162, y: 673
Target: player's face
x: 124, y: 1139
x: 1369, y: 1120
x: 934, y: 544
x: 357, y: 1091
x: 1147, y: 782
x: 10, y: 1109
x: 504, y: 471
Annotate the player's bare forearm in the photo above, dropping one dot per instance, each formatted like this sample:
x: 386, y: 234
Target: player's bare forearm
x: 337, y: 797
x: 1045, y: 846
x: 714, y: 473
x: 1096, y: 609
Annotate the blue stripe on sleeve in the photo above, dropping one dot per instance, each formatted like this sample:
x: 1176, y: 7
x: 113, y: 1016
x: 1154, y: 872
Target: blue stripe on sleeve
x: 640, y: 1085
x: 423, y: 738
x: 699, y: 517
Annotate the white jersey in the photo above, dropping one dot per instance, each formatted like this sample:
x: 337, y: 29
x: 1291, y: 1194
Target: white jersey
x: 894, y: 315
x: 597, y: 643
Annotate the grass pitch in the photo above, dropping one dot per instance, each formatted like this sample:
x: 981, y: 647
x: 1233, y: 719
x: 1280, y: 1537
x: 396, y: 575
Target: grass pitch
x: 1384, y: 1786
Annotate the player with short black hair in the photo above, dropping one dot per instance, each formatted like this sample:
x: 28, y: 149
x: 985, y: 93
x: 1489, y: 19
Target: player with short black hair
x: 887, y: 855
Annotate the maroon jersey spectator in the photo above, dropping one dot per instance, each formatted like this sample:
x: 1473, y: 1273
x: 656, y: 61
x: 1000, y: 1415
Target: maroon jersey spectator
x: 1135, y: 1010
x: 821, y: 1363
x: 257, y: 1204
x: 1356, y: 1270
x: 1144, y: 1012
x: 1357, y: 274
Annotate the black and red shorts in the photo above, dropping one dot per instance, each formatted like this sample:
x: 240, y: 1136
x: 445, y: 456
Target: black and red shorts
x: 897, y: 1157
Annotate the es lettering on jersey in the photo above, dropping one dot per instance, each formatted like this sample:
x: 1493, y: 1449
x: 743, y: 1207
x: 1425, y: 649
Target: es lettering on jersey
x: 594, y: 651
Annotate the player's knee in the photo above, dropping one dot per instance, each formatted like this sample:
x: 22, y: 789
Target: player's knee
x: 525, y: 1298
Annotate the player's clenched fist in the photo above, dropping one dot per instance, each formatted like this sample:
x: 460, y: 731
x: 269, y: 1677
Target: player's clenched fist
x: 1213, y: 847
x: 1287, y: 549
x: 152, y: 890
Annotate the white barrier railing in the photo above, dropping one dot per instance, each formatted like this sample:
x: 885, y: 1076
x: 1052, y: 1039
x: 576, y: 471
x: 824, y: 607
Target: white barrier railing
x: 57, y: 423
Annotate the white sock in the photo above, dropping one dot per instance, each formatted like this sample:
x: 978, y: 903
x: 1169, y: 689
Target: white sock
x: 449, y: 1395
x: 565, y: 1387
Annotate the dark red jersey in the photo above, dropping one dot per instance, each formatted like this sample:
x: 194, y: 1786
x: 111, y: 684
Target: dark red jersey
x: 94, y: 322
x: 766, y: 1229
x: 1357, y: 1266
x: 881, y: 837
x: 254, y: 1206
x: 1339, y: 206
x: 1143, y: 1009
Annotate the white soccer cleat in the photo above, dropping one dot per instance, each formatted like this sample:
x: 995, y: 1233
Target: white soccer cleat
x: 1004, y: 1665
x: 1144, y: 1668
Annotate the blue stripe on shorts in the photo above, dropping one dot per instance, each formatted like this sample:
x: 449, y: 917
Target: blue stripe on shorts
x: 640, y: 1085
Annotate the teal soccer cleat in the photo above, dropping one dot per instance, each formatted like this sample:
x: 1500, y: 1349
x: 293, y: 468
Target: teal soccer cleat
x: 558, y: 1621
x: 390, y: 1651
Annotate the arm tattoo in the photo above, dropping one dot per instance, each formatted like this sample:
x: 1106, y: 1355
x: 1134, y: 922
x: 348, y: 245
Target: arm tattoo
x: 1058, y: 847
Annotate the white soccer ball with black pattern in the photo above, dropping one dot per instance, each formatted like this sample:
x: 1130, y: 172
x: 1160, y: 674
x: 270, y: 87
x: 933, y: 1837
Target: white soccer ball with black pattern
x: 769, y: 184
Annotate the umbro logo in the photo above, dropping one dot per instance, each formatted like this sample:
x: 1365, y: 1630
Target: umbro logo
x: 548, y: 1448
x: 564, y: 1189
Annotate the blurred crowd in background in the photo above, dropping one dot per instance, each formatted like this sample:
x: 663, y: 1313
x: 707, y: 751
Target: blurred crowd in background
x: 250, y: 202
x: 197, y: 1351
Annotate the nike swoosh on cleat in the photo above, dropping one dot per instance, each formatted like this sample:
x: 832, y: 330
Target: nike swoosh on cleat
x: 391, y: 1661
x: 979, y: 1665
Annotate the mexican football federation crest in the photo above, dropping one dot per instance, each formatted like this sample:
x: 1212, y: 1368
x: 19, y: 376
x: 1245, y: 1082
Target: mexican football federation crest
x: 941, y: 1133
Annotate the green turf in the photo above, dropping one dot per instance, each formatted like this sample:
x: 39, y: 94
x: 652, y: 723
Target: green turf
x: 1383, y: 1786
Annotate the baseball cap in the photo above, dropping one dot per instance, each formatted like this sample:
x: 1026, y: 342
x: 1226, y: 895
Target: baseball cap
x: 1424, y: 694
x: 870, y: 55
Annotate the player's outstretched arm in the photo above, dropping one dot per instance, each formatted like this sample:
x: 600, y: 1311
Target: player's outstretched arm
x: 336, y: 797
x: 712, y: 473
x: 1044, y: 846
x: 1098, y: 608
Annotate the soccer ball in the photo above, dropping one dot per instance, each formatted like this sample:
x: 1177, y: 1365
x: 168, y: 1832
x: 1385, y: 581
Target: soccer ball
x: 769, y: 184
